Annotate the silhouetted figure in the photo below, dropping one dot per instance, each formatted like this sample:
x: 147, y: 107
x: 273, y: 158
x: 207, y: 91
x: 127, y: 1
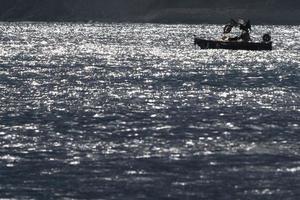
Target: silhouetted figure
x: 245, y: 27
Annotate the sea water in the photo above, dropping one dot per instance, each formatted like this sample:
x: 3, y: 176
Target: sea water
x: 136, y: 111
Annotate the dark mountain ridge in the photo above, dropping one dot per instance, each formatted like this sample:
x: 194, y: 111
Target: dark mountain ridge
x: 164, y: 11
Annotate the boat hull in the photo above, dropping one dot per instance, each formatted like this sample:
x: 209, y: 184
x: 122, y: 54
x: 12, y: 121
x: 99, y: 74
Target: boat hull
x: 233, y: 45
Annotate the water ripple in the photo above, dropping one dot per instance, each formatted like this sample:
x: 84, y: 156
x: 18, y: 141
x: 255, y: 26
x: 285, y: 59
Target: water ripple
x: 135, y: 111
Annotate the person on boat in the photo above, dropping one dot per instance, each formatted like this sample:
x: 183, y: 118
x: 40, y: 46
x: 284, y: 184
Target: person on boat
x: 244, y: 27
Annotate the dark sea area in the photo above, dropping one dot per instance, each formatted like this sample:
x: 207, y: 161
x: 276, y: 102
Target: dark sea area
x: 136, y: 111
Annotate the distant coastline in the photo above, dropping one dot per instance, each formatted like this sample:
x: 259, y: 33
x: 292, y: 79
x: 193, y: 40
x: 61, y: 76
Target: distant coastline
x: 151, y: 11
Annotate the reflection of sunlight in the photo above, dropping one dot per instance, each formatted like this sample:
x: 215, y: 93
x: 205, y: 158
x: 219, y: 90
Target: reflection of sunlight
x: 143, y: 91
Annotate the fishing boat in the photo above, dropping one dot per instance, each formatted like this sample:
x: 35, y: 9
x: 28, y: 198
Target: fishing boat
x: 233, y: 45
x: 242, y: 42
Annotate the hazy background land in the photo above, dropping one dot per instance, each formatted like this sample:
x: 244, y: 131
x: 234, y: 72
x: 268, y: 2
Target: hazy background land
x: 160, y: 11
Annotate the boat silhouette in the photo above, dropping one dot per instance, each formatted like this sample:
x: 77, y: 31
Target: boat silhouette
x: 242, y: 42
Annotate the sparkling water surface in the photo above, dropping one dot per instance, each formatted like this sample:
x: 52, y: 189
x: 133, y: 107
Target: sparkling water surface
x: 136, y: 111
